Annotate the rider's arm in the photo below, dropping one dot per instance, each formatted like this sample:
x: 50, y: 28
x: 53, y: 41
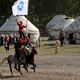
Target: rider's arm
x: 24, y: 26
x: 17, y: 22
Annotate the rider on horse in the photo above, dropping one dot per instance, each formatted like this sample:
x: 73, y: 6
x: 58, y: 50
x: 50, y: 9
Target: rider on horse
x: 27, y: 46
x: 23, y: 46
x: 18, y: 48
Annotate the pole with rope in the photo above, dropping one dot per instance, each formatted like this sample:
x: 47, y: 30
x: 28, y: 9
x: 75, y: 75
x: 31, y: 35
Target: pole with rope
x: 27, y: 25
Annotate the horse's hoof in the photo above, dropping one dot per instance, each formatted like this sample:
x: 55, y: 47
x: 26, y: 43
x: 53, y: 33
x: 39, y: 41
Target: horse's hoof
x: 32, y: 68
x: 12, y: 75
x: 21, y: 74
x: 26, y: 70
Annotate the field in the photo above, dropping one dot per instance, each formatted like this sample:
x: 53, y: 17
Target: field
x: 50, y: 66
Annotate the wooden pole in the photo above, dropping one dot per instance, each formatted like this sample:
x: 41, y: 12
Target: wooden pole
x: 26, y: 25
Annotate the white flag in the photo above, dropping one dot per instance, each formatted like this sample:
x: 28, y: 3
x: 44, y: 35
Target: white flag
x: 20, y: 7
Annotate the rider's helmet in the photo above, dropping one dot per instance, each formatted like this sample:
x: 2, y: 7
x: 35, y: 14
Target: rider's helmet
x: 20, y: 41
x: 27, y: 40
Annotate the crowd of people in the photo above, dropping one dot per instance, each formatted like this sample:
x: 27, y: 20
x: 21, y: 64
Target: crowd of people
x: 20, y: 42
x: 17, y: 40
x: 7, y: 40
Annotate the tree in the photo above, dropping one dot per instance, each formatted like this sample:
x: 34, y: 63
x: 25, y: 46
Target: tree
x: 42, y: 11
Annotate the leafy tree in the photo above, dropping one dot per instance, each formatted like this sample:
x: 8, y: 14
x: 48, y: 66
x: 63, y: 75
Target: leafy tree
x: 42, y: 11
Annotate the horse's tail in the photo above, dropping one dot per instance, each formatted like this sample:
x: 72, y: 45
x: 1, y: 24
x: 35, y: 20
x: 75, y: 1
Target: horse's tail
x: 4, y: 60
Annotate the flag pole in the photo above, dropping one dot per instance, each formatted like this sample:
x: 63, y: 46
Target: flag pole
x: 26, y: 25
x: 27, y: 22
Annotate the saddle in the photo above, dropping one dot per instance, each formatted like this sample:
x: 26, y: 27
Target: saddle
x: 26, y: 50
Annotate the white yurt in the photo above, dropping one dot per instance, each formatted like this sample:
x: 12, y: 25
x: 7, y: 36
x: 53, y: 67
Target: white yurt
x: 55, y: 20
x: 61, y: 25
x: 11, y: 27
x: 73, y: 30
x: 52, y: 23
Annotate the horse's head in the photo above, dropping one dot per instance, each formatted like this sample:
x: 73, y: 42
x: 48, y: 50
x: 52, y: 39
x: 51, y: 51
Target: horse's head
x: 34, y: 50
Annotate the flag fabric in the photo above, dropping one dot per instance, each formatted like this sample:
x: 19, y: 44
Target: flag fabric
x: 20, y: 7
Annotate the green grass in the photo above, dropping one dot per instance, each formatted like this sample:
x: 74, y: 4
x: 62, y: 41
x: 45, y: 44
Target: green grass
x: 48, y: 48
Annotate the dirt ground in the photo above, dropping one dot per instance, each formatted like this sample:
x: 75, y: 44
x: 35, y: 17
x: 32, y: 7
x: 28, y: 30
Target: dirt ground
x: 48, y: 68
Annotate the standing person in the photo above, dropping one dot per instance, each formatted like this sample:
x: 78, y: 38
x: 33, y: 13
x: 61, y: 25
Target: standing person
x: 38, y: 42
x: 2, y: 39
x: 37, y: 45
x: 7, y: 43
x: 57, y: 46
x: 61, y: 38
x: 11, y: 39
x: 21, y: 26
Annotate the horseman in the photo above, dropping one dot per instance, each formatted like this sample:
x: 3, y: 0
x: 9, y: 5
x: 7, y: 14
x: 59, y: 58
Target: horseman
x: 27, y: 46
x: 23, y: 46
x: 18, y: 48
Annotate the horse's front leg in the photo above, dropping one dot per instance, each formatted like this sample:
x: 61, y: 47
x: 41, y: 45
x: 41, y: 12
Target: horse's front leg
x: 25, y: 67
x: 34, y: 66
x: 15, y: 66
x: 19, y: 69
x: 10, y: 66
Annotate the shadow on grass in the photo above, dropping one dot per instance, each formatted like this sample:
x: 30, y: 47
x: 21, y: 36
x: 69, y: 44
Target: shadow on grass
x: 6, y: 77
x: 49, y: 44
x: 44, y: 40
x: 74, y: 47
x: 47, y: 40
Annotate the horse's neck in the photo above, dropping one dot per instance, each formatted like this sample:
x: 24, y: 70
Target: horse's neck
x: 32, y: 54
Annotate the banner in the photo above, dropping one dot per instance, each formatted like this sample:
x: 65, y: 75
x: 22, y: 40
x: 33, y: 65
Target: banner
x: 20, y: 7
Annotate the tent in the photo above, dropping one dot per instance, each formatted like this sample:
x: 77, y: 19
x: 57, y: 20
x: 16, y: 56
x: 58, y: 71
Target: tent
x: 54, y: 21
x: 61, y: 25
x: 74, y: 27
x: 11, y: 27
x: 73, y: 30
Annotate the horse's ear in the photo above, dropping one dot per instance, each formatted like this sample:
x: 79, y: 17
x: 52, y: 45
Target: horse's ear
x: 33, y: 47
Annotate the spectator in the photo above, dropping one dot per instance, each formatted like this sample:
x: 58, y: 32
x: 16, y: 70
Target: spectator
x: 2, y: 39
x: 57, y: 46
x: 7, y: 43
x: 11, y: 39
x: 61, y: 38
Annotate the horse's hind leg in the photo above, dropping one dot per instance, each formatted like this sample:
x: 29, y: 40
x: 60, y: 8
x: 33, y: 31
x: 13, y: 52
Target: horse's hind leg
x: 17, y: 67
x: 10, y: 66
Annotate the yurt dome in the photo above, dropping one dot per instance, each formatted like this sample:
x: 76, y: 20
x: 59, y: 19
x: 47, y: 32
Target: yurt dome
x: 63, y: 24
x: 11, y: 27
x: 74, y: 27
x: 55, y: 20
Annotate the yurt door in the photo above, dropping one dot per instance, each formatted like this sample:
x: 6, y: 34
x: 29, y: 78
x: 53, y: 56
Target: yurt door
x: 71, y: 36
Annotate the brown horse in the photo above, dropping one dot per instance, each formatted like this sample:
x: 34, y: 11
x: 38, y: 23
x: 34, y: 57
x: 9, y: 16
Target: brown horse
x: 30, y: 58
